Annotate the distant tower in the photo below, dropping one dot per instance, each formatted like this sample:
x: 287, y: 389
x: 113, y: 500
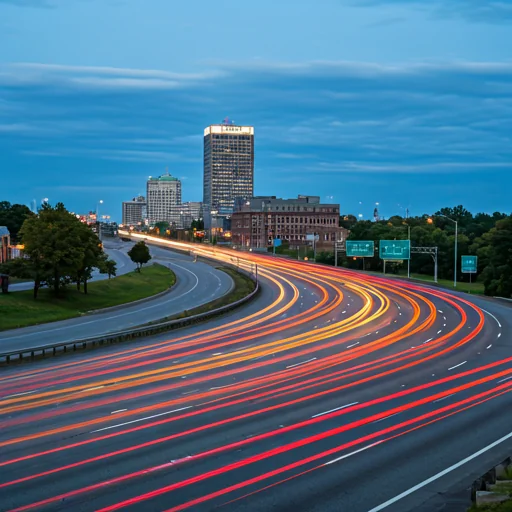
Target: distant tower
x: 376, y: 216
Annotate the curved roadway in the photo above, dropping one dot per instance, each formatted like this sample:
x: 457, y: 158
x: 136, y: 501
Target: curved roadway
x: 331, y: 391
x: 196, y: 284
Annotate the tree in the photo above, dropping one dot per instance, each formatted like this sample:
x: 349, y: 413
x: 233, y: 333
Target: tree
x: 139, y: 254
x: 498, y: 273
x: 108, y: 266
x: 12, y: 216
x: 90, y: 258
x: 25, y: 268
x: 162, y: 227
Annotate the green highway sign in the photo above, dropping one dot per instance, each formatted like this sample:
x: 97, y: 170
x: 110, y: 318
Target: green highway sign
x: 360, y: 248
x: 395, y: 249
x: 469, y: 264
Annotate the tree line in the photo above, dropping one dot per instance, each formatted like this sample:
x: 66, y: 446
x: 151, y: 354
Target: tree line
x: 58, y: 248
x: 487, y: 236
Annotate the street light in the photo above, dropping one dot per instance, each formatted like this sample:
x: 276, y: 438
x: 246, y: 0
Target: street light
x: 456, y: 244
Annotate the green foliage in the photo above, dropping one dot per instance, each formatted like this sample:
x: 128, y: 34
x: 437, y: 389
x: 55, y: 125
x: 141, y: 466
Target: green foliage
x: 12, y: 216
x: 139, y: 254
x: 59, y: 249
x: 197, y: 224
x: 487, y: 236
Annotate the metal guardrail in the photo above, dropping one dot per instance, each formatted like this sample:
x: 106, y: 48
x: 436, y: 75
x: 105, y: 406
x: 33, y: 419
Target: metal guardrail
x: 54, y: 349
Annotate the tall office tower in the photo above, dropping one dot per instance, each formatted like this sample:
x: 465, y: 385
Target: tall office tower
x: 162, y: 194
x: 228, y: 167
x: 134, y: 211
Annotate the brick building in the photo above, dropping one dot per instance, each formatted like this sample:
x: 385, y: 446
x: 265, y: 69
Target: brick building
x: 259, y: 219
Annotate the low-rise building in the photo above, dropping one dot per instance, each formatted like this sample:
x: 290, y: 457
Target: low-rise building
x: 296, y: 221
x: 182, y: 215
x: 134, y: 211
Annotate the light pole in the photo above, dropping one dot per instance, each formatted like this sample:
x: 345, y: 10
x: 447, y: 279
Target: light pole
x: 98, y: 217
x: 456, y: 244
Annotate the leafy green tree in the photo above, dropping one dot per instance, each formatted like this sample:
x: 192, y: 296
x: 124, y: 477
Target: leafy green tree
x: 107, y: 266
x: 53, y: 245
x: 12, y: 216
x: 197, y: 224
x: 139, y: 254
x: 162, y: 227
x: 91, y: 256
x: 26, y: 268
x: 498, y: 273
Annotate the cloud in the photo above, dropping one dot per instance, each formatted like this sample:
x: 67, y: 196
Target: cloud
x: 477, y: 11
x: 350, y: 129
x: 27, y: 3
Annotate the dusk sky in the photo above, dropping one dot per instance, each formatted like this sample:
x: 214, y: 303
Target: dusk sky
x: 406, y: 103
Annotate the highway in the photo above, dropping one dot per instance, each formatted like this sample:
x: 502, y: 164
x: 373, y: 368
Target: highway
x: 331, y: 391
x: 196, y: 283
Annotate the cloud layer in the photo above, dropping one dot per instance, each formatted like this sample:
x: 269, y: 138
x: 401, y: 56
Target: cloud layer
x: 425, y: 134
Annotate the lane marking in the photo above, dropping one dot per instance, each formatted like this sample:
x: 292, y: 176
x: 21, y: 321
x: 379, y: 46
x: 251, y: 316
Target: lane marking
x: 217, y: 354
x: 506, y: 378
x: 457, y: 365
x: 91, y: 389
x: 443, y: 398
x: 120, y: 410
x: 19, y: 394
x: 382, y: 419
x: 352, y: 453
x: 488, y: 347
x: 440, y: 331
x: 140, y: 419
x: 490, y: 314
x: 499, y: 335
x: 303, y: 362
x: 430, y: 339
x: 350, y: 346
x: 336, y: 409
x: 428, y: 481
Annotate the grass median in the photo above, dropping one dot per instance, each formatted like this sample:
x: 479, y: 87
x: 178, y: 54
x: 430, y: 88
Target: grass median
x: 19, y: 309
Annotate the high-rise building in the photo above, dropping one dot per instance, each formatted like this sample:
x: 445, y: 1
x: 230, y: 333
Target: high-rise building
x: 163, y: 193
x: 134, y: 211
x: 228, y: 167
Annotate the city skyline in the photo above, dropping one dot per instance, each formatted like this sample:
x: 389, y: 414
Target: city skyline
x: 353, y: 113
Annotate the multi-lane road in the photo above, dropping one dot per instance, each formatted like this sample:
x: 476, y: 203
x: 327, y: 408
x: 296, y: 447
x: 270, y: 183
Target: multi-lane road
x: 332, y: 390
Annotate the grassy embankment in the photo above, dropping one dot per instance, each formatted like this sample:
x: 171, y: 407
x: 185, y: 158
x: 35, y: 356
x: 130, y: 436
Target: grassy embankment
x: 19, y: 309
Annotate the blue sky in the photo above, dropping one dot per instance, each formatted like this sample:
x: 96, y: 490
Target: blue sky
x: 402, y: 102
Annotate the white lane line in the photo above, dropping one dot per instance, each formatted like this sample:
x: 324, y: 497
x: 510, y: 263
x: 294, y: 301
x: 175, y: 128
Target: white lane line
x: 190, y: 392
x: 140, y: 419
x: 428, y: 481
x: 440, y: 311
x: 430, y: 339
x: 337, y: 409
x: 91, y: 389
x: 353, y: 345
x: 488, y: 346
x: 499, y: 335
x: 490, y: 314
x: 457, y: 365
x: 440, y: 331
x: 343, y: 312
x: 444, y: 318
x: 506, y: 378
x: 366, y: 335
x: 444, y: 398
x: 386, y: 417
x: 220, y: 387
x: 19, y: 394
x: 119, y: 410
x: 217, y: 354
x: 303, y: 362
x: 352, y: 453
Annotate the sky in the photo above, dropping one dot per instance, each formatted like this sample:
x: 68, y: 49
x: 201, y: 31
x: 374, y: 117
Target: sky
x: 405, y: 103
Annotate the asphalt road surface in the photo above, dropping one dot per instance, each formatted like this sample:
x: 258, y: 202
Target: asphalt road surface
x: 331, y: 391
x: 196, y: 283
